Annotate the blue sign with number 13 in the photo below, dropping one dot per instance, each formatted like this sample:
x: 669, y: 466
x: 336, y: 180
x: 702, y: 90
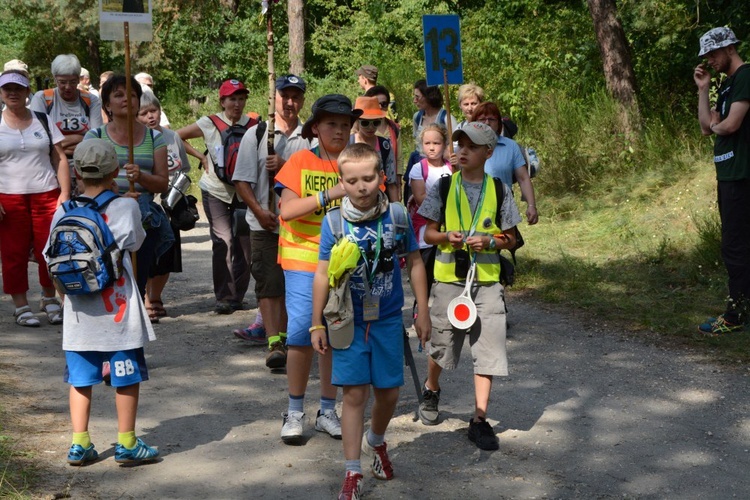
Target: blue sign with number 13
x: 442, y: 48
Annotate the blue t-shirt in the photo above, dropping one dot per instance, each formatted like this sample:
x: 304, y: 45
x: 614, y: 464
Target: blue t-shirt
x: 387, y: 285
x: 504, y: 160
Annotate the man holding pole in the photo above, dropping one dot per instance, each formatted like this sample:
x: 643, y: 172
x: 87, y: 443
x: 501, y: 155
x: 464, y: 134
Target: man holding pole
x: 251, y: 178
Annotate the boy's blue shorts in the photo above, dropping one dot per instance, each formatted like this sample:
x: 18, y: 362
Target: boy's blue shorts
x: 378, y: 361
x: 299, y: 289
x: 84, y: 368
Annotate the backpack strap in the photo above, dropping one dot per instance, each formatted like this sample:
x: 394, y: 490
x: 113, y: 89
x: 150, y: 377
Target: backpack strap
x: 441, y: 116
x: 444, y: 186
x: 420, y: 115
x: 220, y: 124
x: 425, y: 168
x: 259, y: 132
x: 105, y: 198
x: 49, y: 99
x: 42, y: 117
x: 85, y: 100
x: 335, y: 222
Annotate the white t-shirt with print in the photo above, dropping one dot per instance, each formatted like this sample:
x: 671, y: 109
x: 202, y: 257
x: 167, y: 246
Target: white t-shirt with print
x: 70, y: 117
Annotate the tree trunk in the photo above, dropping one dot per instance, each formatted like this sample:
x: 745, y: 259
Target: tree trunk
x: 618, y: 67
x: 95, y: 60
x: 295, y: 12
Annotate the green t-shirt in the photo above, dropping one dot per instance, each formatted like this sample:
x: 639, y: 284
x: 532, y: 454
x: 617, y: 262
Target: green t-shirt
x: 732, y: 152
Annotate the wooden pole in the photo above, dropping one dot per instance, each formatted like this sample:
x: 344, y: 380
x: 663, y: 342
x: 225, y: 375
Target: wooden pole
x: 448, y: 110
x: 271, y: 104
x: 131, y: 122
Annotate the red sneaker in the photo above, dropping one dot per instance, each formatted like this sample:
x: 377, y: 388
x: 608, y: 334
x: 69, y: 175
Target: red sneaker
x: 352, y: 488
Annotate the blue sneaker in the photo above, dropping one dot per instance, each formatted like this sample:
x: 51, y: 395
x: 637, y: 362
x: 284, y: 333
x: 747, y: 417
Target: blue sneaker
x: 141, y: 453
x: 255, y: 334
x: 78, y: 455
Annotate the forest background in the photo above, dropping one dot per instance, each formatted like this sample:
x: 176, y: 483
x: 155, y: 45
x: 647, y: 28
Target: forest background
x: 602, y: 89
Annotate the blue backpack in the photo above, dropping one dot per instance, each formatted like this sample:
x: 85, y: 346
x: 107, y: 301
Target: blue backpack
x: 82, y: 256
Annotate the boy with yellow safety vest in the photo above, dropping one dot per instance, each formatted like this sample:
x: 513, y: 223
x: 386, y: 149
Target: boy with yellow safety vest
x: 469, y: 226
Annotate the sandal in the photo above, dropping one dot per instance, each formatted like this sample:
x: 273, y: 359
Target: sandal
x: 51, y: 307
x: 158, y: 307
x: 152, y: 315
x: 25, y: 317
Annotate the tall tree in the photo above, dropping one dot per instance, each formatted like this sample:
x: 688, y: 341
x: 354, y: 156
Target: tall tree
x: 618, y: 67
x: 295, y: 13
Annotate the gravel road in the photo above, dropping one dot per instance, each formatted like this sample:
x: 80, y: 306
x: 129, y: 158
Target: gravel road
x: 587, y: 412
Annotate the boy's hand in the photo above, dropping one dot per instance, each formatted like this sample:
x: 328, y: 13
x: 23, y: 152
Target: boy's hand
x: 456, y: 238
x: 476, y: 243
x: 319, y: 341
x: 453, y: 160
x: 423, y: 326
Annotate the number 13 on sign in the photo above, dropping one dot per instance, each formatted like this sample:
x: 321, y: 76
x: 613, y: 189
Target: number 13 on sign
x: 442, y: 48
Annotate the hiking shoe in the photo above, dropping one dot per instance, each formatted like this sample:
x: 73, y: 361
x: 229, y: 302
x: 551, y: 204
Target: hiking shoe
x: 328, y: 421
x: 223, y: 308
x: 141, y: 453
x: 481, y: 434
x: 719, y: 326
x: 381, y: 465
x: 352, y: 488
x: 291, y: 430
x: 255, y: 334
x: 276, y: 357
x: 78, y: 455
x: 428, y: 409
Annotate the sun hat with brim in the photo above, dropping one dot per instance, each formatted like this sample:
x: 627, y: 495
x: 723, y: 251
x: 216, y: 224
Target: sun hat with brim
x: 479, y: 133
x: 717, y: 38
x: 334, y: 104
x: 18, y: 65
x: 95, y: 159
x: 231, y: 87
x: 370, y: 108
x: 16, y: 78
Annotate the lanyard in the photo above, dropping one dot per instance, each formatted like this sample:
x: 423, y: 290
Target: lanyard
x: 371, y: 274
x: 475, y: 219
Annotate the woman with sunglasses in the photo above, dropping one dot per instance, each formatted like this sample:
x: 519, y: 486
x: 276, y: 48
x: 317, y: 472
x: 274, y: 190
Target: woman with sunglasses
x: 365, y: 130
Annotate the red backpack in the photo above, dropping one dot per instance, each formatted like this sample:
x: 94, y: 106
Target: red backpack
x: 231, y: 137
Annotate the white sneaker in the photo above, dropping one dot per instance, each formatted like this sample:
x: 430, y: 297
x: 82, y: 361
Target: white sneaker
x: 329, y: 422
x: 291, y: 430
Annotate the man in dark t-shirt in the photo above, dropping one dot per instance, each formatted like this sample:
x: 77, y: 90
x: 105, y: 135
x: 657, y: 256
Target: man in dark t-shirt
x: 730, y: 122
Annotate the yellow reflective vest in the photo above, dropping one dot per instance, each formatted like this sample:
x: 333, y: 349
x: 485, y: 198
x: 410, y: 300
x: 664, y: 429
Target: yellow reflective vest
x: 488, y: 261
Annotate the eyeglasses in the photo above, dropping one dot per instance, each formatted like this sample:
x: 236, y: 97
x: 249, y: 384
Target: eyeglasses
x: 66, y: 83
x: 487, y: 120
x: 367, y: 123
x: 383, y: 104
x: 417, y: 97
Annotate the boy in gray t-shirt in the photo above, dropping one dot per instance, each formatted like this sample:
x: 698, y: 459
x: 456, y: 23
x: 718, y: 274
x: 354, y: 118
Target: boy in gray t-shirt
x: 107, y: 327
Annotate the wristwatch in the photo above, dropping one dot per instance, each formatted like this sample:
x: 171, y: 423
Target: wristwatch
x: 493, y: 243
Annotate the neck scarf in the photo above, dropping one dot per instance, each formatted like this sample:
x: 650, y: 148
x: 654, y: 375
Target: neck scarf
x: 353, y: 214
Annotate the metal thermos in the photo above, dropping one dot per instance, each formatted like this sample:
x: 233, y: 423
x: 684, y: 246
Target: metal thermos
x: 178, y: 188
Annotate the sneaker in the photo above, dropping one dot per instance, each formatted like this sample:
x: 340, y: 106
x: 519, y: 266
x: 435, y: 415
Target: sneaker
x: 328, y: 421
x: 141, y: 453
x: 481, y: 434
x: 291, y: 430
x: 381, y: 465
x: 78, y: 455
x: 276, y: 358
x: 428, y: 409
x: 352, y: 488
x: 718, y: 326
x: 255, y: 334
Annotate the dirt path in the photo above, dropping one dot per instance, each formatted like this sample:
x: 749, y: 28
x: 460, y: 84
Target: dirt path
x: 586, y: 413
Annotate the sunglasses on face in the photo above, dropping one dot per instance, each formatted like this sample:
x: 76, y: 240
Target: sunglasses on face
x: 383, y: 104
x: 368, y: 123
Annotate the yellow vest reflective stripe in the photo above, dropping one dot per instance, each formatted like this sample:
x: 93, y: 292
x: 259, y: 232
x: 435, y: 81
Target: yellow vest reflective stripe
x: 488, y: 261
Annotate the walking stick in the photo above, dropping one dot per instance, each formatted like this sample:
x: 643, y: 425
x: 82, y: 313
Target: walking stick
x: 409, y: 361
x: 131, y: 121
x: 271, y: 104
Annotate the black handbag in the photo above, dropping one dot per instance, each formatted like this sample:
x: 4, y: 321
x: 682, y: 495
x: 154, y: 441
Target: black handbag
x: 184, y: 215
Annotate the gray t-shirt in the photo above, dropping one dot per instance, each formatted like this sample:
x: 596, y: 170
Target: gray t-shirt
x: 251, y: 164
x: 116, y: 319
x: 432, y: 205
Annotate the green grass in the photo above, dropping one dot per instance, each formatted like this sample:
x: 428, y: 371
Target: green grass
x: 16, y: 472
